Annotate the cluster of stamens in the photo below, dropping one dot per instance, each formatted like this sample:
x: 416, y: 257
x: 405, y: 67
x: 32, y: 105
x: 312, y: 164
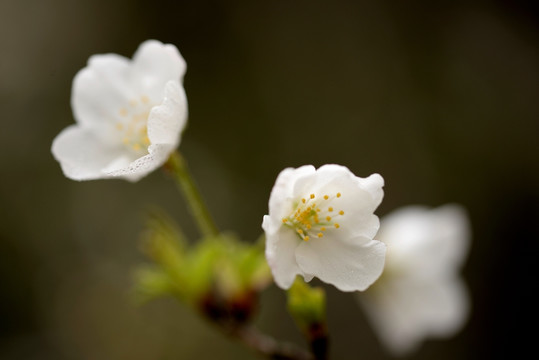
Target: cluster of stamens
x: 133, y: 123
x: 312, y: 216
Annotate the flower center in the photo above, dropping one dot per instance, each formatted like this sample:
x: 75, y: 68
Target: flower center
x: 314, y: 216
x: 132, y: 124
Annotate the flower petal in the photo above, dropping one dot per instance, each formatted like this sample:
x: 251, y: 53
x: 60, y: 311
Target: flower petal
x: 405, y: 311
x: 360, y: 197
x: 280, y: 202
x: 350, y: 266
x: 426, y: 242
x: 100, y: 90
x: 155, y: 64
x: 84, y: 156
x: 280, y: 248
x: 166, y: 121
x: 156, y: 157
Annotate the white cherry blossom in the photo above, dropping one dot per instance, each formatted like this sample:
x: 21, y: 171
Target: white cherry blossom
x: 420, y: 294
x: 321, y: 223
x: 129, y: 114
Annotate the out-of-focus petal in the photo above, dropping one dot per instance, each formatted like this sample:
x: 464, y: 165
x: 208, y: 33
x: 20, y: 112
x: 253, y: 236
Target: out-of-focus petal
x: 83, y: 156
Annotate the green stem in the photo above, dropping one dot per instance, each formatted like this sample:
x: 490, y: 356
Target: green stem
x: 187, y: 185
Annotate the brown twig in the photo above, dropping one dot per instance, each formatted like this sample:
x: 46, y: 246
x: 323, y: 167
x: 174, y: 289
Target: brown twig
x: 269, y: 347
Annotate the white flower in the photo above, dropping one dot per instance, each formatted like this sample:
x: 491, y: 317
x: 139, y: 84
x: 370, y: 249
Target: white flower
x: 129, y: 114
x: 321, y: 223
x: 420, y: 293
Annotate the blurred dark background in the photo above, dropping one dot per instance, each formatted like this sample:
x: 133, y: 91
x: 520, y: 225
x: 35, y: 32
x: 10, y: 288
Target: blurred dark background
x: 441, y: 98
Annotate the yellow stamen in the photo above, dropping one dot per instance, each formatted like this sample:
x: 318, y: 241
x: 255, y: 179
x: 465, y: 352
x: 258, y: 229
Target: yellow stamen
x: 285, y: 220
x: 322, y: 229
x: 341, y: 212
x: 312, y: 196
x: 306, y: 238
x: 326, y: 197
x: 338, y: 195
x: 320, y: 235
x: 328, y: 218
x: 145, y: 99
x: 330, y: 209
x: 337, y: 226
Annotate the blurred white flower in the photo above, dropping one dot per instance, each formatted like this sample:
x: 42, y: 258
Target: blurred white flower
x: 420, y: 293
x: 321, y: 223
x: 129, y: 114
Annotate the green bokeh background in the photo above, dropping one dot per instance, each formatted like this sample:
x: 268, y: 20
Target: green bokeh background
x: 441, y: 98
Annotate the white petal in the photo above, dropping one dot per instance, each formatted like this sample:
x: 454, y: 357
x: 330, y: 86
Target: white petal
x: 280, y: 248
x: 453, y: 227
x: 360, y: 197
x: 347, y: 265
x: 83, y: 155
x: 167, y: 120
x: 280, y: 203
x: 155, y: 64
x: 100, y: 90
x: 405, y: 311
x: 424, y: 241
x: 156, y: 157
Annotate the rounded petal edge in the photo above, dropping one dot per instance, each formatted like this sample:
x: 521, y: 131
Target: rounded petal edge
x: 280, y: 254
x: 82, y: 155
x: 167, y: 121
x: 156, y: 157
x: 347, y: 265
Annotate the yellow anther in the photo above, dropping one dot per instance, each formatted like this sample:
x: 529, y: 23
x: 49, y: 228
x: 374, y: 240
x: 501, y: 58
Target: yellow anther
x: 338, y: 195
x: 341, y: 212
x: 145, y: 99
x: 123, y: 112
x: 306, y: 238
x: 285, y: 220
x: 337, y: 226
x: 330, y: 209
x: 308, y: 226
x: 303, y: 201
x: 326, y: 197
x: 320, y: 235
x: 136, y: 147
x: 328, y: 218
x: 312, y: 196
x: 300, y: 231
x: 322, y: 229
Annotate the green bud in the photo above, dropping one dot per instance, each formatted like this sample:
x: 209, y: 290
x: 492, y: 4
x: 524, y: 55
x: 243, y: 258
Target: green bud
x: 307, y: 305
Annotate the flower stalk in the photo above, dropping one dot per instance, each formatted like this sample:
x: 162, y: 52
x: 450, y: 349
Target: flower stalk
x: 178, y: 167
